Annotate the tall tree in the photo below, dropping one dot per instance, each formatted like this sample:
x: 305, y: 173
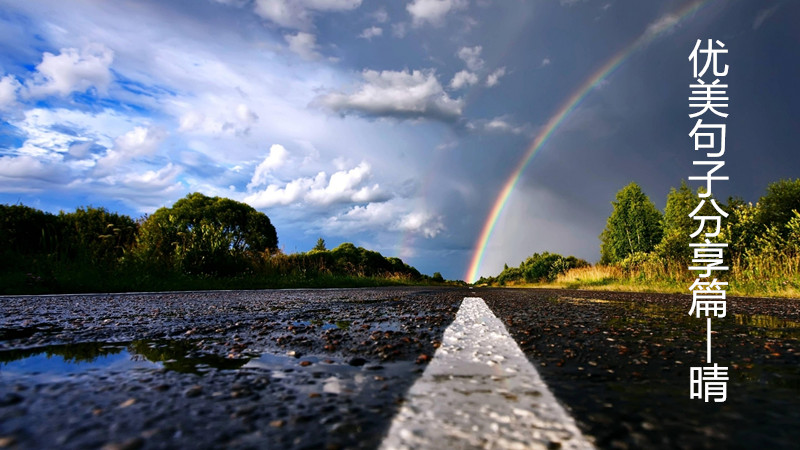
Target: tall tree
x: 634, y: 225
x: 677, y: 225
x: 96, y: 234
x: 776, y: 206
x: 201, y: 234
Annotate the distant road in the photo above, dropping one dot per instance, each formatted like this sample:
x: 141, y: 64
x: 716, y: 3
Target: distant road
x: 333, y: 369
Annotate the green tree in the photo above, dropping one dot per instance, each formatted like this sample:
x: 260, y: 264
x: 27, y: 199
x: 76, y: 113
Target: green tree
x: 538, y: 267
x: 741, y: 227
x: 320, y: 247
x: 776, y: 206
x: 96, y: 235
x: 201, y: 234
x: 27, y: 230
x: 634, y: 225
x: 677, y: 226
x: 437, y: 277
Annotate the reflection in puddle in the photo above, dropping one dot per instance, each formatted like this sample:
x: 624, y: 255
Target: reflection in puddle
x: 324, y: 325
x: 183, y: 357
x: 71, y: 359
x: 663, y: 324
x: 769, y: 326
x: 178, y: 356
x: 579, y: 300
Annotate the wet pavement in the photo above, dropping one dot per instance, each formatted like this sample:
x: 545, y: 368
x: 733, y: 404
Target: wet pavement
x: 620, y: 362
x: 279, y: 369
x: 330, y: 368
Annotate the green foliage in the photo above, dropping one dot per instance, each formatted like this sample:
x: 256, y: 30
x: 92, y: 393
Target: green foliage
x: 740, y: 228
x: 437, y: 277
x: 27, y: 231
x: 677, y: 226
x: 205, y: 235
x: 776, y: 206
x: 351, y: 260
x: 198, y: 243
x: 96, y: 235
x: 320, y: 246
x: 536, y: 268
x: 634, y: 225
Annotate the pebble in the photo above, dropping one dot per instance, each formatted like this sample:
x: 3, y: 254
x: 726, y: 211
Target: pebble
x: 357, y: 361
x: 130, y: 444
x: 193, y: 391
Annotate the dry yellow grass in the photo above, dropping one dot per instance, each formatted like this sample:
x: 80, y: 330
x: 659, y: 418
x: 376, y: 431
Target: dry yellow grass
x: 590, y: 275
x: 613, y: 278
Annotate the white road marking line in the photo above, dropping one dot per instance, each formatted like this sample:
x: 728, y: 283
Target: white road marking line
x: 480, y: 391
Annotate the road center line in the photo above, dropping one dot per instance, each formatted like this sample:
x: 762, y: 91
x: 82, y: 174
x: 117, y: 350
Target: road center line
x: 480, y: 391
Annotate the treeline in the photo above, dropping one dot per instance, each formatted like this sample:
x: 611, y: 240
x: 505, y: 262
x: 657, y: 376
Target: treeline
x: 763, y: 239
x: 642, y: 246
x: 537, y: 268
x: 199, y: 243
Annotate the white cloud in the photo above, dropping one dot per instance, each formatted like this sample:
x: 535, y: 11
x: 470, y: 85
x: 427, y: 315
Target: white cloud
x: 9, y: 86
x: 297, y: 13
x: 463, y: 78
x: 147, y: 190
x: 151, y: 180
x: 72, y: 70
x: 495, y: 76
x: 421, y: 222
x: 371, y: 32
x: 345, y: 186
x: 139, y: 142
x: 245, y: 114
x: 399, y: 30
x: 50, y: 132
x: 545, y: 62
x: 392, y: 215
x: 432, y: 11
x: 403, y: 94
x: 472, y: 57
x: 276, y: 158
x: 226, y: 119
x: 664, y: 23
x: 304, y: 44
x: 380, y: 15
x: 496, y: 125
x: 26, y: 173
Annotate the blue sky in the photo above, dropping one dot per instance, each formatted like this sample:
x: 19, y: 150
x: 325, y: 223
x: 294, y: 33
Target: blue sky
x: 392, y: 125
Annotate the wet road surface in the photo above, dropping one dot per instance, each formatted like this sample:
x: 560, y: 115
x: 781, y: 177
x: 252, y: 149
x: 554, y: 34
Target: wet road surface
x: 331, y: 368
x: 620, y: 362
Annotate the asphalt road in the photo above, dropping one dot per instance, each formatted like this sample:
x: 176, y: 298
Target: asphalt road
x: 332, y: 368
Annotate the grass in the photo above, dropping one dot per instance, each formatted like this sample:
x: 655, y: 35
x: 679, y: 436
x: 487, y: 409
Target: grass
x: 60, y: 278
x: 614, y: 278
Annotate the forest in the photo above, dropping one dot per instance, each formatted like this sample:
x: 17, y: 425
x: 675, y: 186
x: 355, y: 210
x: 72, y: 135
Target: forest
x: 199, y: 242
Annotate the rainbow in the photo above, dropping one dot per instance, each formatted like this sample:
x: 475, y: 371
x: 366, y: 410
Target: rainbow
x: 652, y: 31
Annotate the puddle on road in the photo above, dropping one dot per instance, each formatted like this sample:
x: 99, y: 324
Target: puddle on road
x: 178, y: 356
x: 675, y: 318
x: 323, y: 325
x: 71, y: 359
x: 182, y: 356
x: 762, y: 365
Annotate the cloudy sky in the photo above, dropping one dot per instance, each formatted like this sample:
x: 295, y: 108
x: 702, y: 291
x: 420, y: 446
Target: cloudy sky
x: 393, y: 125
